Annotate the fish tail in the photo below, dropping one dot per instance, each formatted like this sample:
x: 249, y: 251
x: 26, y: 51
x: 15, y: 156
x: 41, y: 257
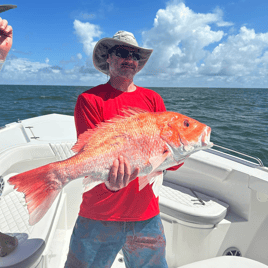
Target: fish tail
x: 40, y: 186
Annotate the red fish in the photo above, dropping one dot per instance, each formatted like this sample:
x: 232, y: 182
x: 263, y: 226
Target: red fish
x: 151, y: 141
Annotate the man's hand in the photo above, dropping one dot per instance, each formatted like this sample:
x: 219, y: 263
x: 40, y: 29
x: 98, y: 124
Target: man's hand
x: 6, y: 36
x: 120, y: 174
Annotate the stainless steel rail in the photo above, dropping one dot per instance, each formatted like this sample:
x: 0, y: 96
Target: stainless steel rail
x: 255, y: 158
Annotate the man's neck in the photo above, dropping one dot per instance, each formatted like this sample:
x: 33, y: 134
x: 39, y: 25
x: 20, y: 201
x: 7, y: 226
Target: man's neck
x: 122, y: 84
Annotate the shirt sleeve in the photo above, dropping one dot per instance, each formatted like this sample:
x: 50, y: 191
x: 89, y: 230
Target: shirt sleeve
x: 159, y: 104
x: 86, y: 114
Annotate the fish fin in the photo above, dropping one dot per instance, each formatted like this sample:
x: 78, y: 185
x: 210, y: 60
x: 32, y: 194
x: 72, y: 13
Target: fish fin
x: 83, y: 140
x: 156, y: 161
x: 157, y: 182
x: 89, y: 183
x: 84, y: 137
x: 126, y: 112
x: 148, y: 179
x: 130, y: 111
x: 143, y: 181
x: 40, y: 187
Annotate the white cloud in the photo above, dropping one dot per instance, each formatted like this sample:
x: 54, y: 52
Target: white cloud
x: 24, y: 71
x: 79, y: 56
x: 82, y: 15
x: 179, y: 37
x: 47, y: 60
x: 86, y: 32
x: 183, y: 49
x: 243, y: 54
x: 21, y: 65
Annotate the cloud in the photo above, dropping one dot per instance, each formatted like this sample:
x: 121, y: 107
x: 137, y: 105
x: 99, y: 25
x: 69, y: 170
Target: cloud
x: 86, y: 32
x: 186, y: 46
x: 20, y: 52
x: 243, y: 54
x: 220, y: 21
x: 24, y: 71
x: 79, y: 56
x: 179, y: 38
x: 82, y: 15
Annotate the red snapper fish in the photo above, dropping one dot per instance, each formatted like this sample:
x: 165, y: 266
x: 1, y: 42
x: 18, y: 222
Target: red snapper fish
x: 151, y: 141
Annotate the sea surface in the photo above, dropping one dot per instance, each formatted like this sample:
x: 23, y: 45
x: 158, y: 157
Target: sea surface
x: 238, y: 117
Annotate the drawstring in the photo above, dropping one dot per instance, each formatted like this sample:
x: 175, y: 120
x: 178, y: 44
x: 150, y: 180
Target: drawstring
x: 107, y: 67
x: 132, y: 225
x: 133, y: 230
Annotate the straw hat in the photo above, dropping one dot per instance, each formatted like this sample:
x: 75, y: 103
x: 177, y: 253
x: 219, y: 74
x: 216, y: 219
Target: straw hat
x: 123, y: 38
x: 4, y: 8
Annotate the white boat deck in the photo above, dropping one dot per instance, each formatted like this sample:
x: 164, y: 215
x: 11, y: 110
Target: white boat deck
x: 214, y: 203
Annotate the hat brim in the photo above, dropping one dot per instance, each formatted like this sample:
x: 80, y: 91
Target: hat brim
x: 100, y: 53
x: 4, y: 8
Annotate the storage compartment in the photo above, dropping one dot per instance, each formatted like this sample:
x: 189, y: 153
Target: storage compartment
x: 193, y: 222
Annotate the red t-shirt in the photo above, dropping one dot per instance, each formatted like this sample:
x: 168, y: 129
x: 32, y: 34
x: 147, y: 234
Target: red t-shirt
x: 99, y: 104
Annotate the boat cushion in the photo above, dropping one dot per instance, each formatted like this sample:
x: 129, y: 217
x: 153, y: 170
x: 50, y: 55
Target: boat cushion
x: 226, y: 262
x: 14, y: 222
x: 190, y: 206
x: 14, y: 217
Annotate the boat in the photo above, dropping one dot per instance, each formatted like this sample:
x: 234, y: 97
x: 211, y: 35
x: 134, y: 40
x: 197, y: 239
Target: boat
x: 214, y: 208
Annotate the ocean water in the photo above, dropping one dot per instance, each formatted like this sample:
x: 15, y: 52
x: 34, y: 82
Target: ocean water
x: 238, y: 117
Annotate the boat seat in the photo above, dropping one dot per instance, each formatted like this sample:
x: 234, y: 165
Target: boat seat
x: 14, y: 217
x: 226, y: 262
x: 190, y: 206
x: 14, y: 222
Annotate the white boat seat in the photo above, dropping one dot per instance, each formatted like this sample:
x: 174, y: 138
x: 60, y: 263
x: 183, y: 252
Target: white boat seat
x: 226, y: 262
x: 190, y: 206
x: 14, y: 215
x: 14, y: 221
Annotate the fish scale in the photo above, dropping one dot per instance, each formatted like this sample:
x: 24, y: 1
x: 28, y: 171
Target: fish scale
x: 150, y: 141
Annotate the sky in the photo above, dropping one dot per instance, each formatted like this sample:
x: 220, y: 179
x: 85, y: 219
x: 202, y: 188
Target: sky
x: 209, y: 43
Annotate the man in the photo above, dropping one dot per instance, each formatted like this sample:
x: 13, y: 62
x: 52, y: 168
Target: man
x: 7, y: 243
x: 116, y: 215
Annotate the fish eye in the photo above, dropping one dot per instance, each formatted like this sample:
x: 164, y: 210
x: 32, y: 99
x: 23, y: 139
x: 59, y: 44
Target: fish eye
x: 186, y: 123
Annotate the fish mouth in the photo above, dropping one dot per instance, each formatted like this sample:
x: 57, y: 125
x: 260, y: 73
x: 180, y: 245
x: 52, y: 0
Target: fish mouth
x: 188, y: 148
x: 205, y: 138
x: 202, y: 143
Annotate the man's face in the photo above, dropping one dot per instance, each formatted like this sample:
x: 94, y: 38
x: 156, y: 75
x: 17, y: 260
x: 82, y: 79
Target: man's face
x: 122, y: 63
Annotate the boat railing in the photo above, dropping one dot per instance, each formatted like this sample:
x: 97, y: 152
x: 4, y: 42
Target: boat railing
x: 252, y: 157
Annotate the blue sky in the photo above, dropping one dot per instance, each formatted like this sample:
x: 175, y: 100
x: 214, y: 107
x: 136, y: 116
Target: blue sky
x: 196, y: 43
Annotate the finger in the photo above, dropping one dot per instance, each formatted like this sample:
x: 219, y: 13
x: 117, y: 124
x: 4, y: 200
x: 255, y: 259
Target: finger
x: 113, y: 173
x: 127, y: 172
x: 9, y: 29
x: 120, y: 173
x: 3, y: 24
x: 7, y: 32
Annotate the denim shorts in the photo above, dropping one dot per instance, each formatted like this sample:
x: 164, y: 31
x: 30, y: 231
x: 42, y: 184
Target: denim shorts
x: 96, y: 243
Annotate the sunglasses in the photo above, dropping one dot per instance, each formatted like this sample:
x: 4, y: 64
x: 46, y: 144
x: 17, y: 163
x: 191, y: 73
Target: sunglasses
x: 124, y: 54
